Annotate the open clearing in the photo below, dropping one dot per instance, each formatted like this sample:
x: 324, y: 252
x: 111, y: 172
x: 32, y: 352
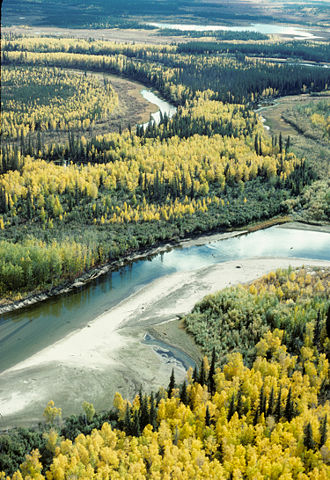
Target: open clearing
x: 306, y: 147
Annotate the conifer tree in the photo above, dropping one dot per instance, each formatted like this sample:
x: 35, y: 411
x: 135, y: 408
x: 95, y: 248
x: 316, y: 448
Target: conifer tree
x: 127, y: 421
x: 287, y: 145
x: 317, y: 329
x: 308, y: 437
x: 183, y: 394
x: 328, y: 322
x: 280, y: 142
x: 152, y: 412
x: 256, y: 144
x: 211, y: 382
x: 207, y: 417
x: 136, y: 428
x: 231, y: 409
x: 144, y: 412
x: 270, y: 403
x: 323, y: 430
x: 262, y: 401
x: 278, y: 410
x: 171, y: 385
x: 289, y: 409
x: 201, y: 379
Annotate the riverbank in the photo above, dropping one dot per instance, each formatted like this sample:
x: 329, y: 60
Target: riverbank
x: 133, y: 109
x: 32, y: 298
x: 109, y: 355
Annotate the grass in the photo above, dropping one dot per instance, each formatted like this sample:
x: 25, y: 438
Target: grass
x: 316, y: 152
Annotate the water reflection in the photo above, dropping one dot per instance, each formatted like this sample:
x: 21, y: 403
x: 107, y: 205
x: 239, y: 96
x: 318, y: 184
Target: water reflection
x: 255, y: 27
x: 24, y: 332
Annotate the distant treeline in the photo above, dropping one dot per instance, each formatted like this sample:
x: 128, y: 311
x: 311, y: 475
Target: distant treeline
x: 316, y: 52
x: 219, y: 34
x: 178, y: 76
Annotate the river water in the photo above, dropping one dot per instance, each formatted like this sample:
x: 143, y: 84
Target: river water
x: 27, y: 331
x: 164, y: 107
x: 255, y: 27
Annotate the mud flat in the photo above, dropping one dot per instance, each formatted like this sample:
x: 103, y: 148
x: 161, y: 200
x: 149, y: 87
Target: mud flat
x: 109, y: 355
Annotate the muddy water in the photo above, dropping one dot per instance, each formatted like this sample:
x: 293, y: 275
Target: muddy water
x: 26, y: 332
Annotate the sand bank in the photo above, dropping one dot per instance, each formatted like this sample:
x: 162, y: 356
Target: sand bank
x: 108, y: 354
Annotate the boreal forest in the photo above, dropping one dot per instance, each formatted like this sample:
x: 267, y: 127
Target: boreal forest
x: 85, y: 185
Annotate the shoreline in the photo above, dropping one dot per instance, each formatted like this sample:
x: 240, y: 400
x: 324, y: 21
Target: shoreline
x: 109, y: 355
x: 87, y: 277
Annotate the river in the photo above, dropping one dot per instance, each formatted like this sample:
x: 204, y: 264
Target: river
x: 165, y: 108
x: 41, y: 358
x: 91, y: 343
x: 264, y: 28
x: 25, y: 332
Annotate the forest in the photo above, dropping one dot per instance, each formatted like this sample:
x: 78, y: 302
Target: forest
x: 257, y: 409
x: 130, y: 14
x: 71, y: 201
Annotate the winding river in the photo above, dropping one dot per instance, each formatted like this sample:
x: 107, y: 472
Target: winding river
x: 91, y: 342
x: 165, y: 108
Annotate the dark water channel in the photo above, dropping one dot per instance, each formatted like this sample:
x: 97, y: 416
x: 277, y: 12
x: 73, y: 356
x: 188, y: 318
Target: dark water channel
x: 27, y: 331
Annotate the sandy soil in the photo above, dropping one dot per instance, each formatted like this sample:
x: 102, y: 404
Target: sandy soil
x: 108, y: 354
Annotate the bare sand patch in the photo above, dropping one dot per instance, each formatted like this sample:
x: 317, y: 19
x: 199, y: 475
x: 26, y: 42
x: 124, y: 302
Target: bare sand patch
x: 108, y: 354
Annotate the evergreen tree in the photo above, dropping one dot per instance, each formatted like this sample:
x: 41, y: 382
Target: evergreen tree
x: 183, y: 394
x: 219, y: 453
x: 136, y: 428
x: 323, y: 430
x: 262, y: 401
x: 152, y: 412
x: 127, y: 421
x: 289, y: 409
x: 211, y: 382
x: 201, y: 379
x: 171, y: 385
x: 38, y: 141
x: 287, y: 145
x: 317, y: 329
x: 256, y: 144
x: 207, y: 417
x: 328, y: 322
x: 270, y: 403
x: 231, y: 409
x: 308, y: 437
x: 144, y: 412
x: 278, y: 410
